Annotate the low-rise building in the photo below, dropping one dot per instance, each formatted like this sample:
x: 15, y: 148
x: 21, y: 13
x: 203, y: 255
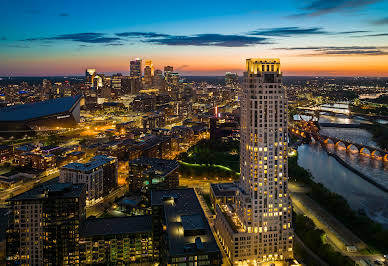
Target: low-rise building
x: 147, y: 173
x: 224, y: 129
x: 5, y: 152
x: 153, y: 120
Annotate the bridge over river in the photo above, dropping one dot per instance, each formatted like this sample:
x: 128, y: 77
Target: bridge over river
x: 372, y: 152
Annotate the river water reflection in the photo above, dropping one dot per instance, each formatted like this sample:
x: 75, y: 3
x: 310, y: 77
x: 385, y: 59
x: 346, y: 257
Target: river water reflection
x: 359, y: 193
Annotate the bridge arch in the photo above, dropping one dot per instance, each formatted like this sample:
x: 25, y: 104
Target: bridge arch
x: 340, y: 144
x: 377, y: 155
x: 365, y: 151
x: 328, y: 141
x: 352, y: 148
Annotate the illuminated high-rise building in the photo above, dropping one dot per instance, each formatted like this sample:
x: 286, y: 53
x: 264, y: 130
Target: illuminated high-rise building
x: 167, y: 73
x: 148, y: 63
x: 116, y: 83
x: 100, y: 175
x: 89, y: 76
x: 135, y: 68
x: 92, y: 79
x: 148, y: 74
x: 257, y: 228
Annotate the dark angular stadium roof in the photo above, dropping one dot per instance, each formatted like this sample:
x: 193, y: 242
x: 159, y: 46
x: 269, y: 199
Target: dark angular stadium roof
x: 28, y: 111
x: 117, y: 225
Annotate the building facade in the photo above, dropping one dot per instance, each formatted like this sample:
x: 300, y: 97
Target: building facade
x: 148, y: 74
x: 99, y: 175
x: 116, y: 84
x: 158, y: 81
x: 258, y: 227
x: 117, y: 241
x: 44, y: 225
x: 135, y: 68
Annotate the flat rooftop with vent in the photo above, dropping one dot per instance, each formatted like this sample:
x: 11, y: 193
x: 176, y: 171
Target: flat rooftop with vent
x: 185, y: 234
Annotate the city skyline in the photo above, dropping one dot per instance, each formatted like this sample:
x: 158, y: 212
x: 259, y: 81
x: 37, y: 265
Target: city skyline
x: 325, y: 38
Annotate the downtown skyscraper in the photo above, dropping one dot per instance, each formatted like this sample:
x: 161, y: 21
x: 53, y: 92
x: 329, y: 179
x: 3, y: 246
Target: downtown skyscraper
x: 135, y: 68
x: 257, y: 228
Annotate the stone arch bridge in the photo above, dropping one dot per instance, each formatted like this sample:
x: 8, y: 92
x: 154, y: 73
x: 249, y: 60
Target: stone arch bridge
x: 372, y: 152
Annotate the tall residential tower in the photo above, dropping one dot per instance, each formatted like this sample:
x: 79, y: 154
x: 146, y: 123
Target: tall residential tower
x: 258, y: 227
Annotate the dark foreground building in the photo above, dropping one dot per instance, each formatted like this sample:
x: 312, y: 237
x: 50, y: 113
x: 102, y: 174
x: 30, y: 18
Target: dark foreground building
x: 182, y: 233
x: 117, y: 241
x: 19, y: 120
x: 44, y: 225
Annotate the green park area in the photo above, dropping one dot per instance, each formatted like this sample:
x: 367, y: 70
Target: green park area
x: 211, y: 159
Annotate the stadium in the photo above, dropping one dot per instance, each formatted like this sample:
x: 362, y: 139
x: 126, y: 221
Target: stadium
x: 25, y: 119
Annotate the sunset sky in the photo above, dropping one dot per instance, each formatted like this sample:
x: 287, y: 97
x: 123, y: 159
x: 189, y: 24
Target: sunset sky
x: 311, y: 37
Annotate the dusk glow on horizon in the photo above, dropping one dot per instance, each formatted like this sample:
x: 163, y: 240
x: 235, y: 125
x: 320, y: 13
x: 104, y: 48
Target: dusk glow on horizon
x: 312, y: 37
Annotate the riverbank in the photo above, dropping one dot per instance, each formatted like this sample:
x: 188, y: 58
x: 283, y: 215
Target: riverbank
x: 380, y: 133
x: 366, y: 229
x: 313, y: 237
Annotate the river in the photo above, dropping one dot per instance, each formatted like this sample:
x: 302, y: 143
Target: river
x: 359, y: 193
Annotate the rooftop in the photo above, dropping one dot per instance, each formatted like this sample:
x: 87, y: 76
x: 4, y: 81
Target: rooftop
x: 157, y: 166
x: 95, y: 162
x: 151, y: 141
x: 224, y: 189
x: 28, y: 111
x: 187, y: 227
x: 51, y: 190
x: 231, y: 217
x: 117, y: 225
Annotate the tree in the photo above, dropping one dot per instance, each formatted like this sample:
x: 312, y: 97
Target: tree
x: 52, y: 139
